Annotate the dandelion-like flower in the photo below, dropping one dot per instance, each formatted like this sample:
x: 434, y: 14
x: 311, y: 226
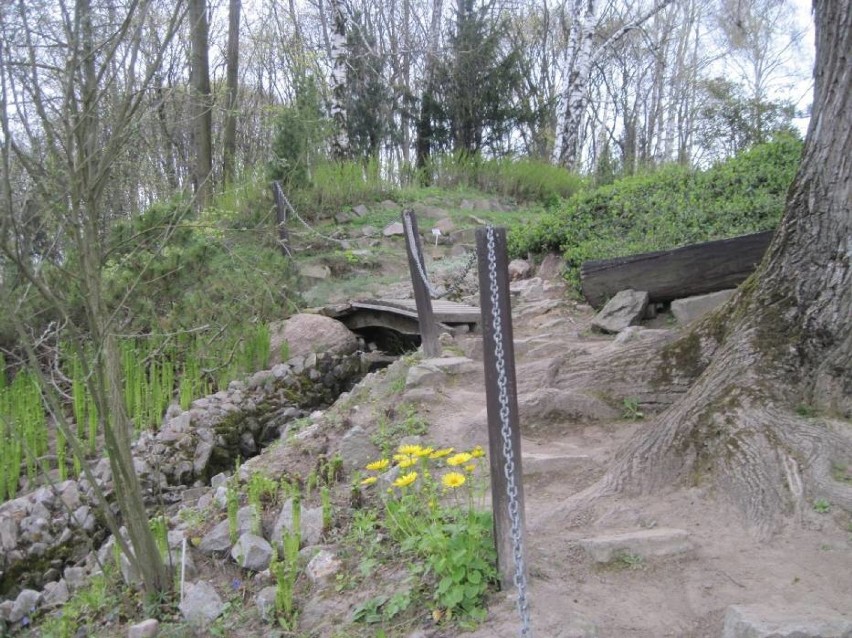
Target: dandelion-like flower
x: 469, y: 468
x: 424, y: 451
x: 405, y: 480
x: 437, y: 454
x: 375, y: 466
x: 369, y: 481
x: 452, y: 480
x: 459, y: 459
x: 409, y: 449
x: 477, y: 452
x: 407, y: 461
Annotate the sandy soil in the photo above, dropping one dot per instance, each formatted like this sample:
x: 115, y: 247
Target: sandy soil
x: 807, y: 565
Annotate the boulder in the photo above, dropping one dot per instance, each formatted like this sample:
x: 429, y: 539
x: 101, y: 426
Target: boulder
x: 145, y: 629
x: 265, y: 601
x: 56, y: 593
x: 551, y: 267
x: 218, y: 539
x: 390, y: 205
x: 25, y: 604
x: 360, y: 210
x: 307, y: 333
x: 625, y: 309
x: 322, y: 567
x: 252, y: 552
x: 201, y: 604
x: 394, y: 229
x: 519, y: 269
x: 356, y: 449
x: 796, y: 621
x: 311, y: 525
x: 445, y: 225
x: 689, y: 309
x: 319, y: 272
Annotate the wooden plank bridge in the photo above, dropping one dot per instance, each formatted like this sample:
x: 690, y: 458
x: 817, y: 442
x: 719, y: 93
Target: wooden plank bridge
x: 401, y: 314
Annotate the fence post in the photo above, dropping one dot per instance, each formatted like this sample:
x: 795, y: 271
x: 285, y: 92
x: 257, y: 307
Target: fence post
x: 504, y: 437
x: 281, y: 218
x: 416, y: 265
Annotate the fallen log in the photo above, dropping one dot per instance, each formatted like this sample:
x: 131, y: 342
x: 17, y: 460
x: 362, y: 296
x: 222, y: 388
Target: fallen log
x: 672, y: 274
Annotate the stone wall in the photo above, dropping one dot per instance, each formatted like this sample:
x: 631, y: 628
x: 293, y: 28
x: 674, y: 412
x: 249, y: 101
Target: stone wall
x: 44, y: 531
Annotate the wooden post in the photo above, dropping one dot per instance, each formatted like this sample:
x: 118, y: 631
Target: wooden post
x: 281, y: 218
x: 500, y: 482
x: 425, y: 316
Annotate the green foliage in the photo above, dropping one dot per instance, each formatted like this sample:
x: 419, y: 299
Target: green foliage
x: 299, y: 130
x: 336, y: 185
x: 522, y: 179
x: 822, y: 506
x: 408, y: 422
x: 23, y: 431
x: 232, y: 500
x: 667, y: 208
x: 432, y: 516
x: 286, y: 570
x: 631, y: 410
x: 261, y: 489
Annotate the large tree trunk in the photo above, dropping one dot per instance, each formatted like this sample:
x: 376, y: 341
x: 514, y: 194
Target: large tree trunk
x: 201, y: 102
x: 781, y: 349
x: 229, y: 137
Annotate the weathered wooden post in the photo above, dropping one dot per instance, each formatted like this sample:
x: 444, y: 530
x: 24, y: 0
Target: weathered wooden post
x: 281, y: 218
x: 420, y: 282
x: 504, y: 436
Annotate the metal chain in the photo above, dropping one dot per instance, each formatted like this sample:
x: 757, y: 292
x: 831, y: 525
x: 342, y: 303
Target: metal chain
x: 455, y: 284
x: 520, y: 578
x: 409, y: 233
x: 307, y: 225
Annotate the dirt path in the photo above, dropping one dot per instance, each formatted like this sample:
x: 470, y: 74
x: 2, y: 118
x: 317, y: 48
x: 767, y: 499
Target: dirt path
x: 713, y: 561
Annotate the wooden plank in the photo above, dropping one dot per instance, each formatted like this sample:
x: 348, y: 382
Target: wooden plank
x: 501, y: 401
x: 428, y: 327
x: 671, y: 274
x: 444, y: 311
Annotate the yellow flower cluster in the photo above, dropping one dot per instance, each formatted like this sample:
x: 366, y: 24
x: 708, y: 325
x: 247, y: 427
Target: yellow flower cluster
x: 409, y: 455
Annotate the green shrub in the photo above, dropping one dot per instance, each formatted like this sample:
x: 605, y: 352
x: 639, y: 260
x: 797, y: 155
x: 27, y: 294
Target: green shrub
x: 671, y: 206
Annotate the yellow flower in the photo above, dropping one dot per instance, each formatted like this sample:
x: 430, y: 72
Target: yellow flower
x: 378, y: 465
x: 369, y: 481
x: 477, y: 452
x: 437, y: 454
x: 424, y: 451
x: 469, y: 468
x: 459, y: 459
x: 453, y: 480
x: 401, y: 457
x: 406, y: 479
x: 410, y: 450
x: 407, y: 461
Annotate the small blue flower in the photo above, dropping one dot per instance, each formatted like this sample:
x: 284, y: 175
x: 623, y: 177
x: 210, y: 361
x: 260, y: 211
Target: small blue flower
x: 25, y: 621
x: 236, y: 583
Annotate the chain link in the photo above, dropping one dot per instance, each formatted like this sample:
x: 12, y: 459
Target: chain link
x: 520, y: 578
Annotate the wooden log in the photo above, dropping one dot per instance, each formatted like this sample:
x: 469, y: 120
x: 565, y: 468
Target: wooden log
x: 672, y: 274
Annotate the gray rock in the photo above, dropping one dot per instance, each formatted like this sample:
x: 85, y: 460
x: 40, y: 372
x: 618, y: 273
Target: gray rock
x: 308, y: 333
x: 648, y: 543
x: 145, y: 629
x: 369, y: 231
x: 75, y: 577
x: 218, y: 539
x: 453, y: 365
x: 8, y: 534
x: 252, y: 552
x: 764, y: 621
x: 552, y: 405
x: 84, y: 518
x: 221, y: 479
x: 311, y: 525
x: 6, y: 611
x: 528, y: 289
x: 357, y: 449
x: 201, y: 604
x: 390, y: 205
x: 360, y: 210
x: 625, y: 309
x: 394, y: 229
x: 519, y: 269
x: 445, y: 225
x: 322, y: 567
x: 201, y: 458
x: 689, y: 309
x: 319, y: 272
x: 423, y: 375
x: 265, y: 601
x: 551, y: 267
x: 25, y: 604
x: 56, y: 593
x: 69, y: 494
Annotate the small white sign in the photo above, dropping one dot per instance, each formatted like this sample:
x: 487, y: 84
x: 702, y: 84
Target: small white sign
x: 437, y: 233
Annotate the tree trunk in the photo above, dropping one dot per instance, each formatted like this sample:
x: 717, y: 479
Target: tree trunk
x: 340, y: 137
x: 783, y: 348
x: 201, y: 102
x: 229, y: 137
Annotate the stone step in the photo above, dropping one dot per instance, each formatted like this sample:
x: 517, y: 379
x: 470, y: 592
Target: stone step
x: 646, y: 543
x: 537, y: 464
x: 765, y: 621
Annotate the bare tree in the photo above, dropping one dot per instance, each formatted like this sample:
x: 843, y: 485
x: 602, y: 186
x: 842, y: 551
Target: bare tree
x: 229, y: 141
x: 202, y: 102
x: 69, y: 114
